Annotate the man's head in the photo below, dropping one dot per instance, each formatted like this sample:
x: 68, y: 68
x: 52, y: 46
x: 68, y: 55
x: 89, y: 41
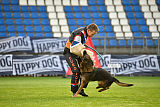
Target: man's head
x: 92, y: 29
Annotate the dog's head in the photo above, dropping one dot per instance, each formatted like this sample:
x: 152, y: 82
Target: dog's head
x: 87, y: 63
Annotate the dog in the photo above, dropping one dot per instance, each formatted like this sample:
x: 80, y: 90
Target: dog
x: 90, y: 73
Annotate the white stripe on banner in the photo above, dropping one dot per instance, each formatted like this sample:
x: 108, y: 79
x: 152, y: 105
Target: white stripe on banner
x: 5, y: 63
x: 49, y: 45
x: 44, y: 63
x: 15, y: 44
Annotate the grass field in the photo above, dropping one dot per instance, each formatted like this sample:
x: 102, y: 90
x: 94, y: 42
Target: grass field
x: 55, y: 92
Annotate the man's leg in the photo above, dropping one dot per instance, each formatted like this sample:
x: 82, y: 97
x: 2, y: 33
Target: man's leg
x: 72, y: 62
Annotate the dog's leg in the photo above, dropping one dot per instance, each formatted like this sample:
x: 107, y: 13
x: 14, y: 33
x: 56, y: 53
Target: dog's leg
x: 80, y: 88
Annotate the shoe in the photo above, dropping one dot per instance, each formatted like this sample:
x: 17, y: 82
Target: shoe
x: 82, y: 93
x: 74, y: 94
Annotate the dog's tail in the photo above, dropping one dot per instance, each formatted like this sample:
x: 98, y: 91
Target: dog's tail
x: 121, y: 84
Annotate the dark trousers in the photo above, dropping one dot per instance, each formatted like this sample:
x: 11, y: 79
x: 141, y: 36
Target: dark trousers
x: 73, y: 62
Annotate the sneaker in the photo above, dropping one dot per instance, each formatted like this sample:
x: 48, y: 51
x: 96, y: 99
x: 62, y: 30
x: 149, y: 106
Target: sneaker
x: 82, y: 93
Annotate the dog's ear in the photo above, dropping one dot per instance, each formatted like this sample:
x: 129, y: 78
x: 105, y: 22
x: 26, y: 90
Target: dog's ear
x: 84, y: 52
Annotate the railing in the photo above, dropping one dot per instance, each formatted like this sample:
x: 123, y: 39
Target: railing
x: 132, y: 45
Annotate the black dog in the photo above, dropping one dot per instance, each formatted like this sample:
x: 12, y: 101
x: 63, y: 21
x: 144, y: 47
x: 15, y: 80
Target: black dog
x: 89, y: 73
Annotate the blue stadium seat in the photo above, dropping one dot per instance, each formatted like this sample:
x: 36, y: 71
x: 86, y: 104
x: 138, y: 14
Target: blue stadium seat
x: 28, y: 28
x: 14, y: 2
x: 121, y: 42
x: 141, y: 22
x: 0, y: 8
x: 88, y: 21
x: 15, y: 8
x: 16, y: 14
x: 21, y: 34
x: 91, y: 2
x: 9, y: 21
x: 27, y: 22
x: 144, y: 28
x: 80, y: 22
x: 45, y: 21
x: 68, y: 8
x: 93, y: 8
x: 48, y: 35
x: 98, y: 21
x: 37, y: 28
x: 95, y: 42
x: 69, y: 15
x: 101, y: 34
x: 130, y: 42
x: 18, y: 21
x: 72, y: 28
x: 125, y: 2
x: 87, y: 15
x: 20, y: 28
x: 134, y: 2
x: 158, y: 2
x: 71, y: 22
x: 5, y: 1
x: 39, y: 34
x: 1, y: 15
x: 34, y: 15
x: 6, y: 8
x: 3, y: 34
x: 10, y: 28
x: 102, y: 43
x: 135, y: 28
x: 30, y: 34
x: 137, y: 34
x: 43, y: 15
x: 102, y: 8
x: 42, y: 8
x: 26, y: 15
x: 100, y: 2
x: 132, y: 21
x: 136, y: 8
x: 101, y: 28
x: 78, y: 15
x: 139, y: 15
x: 156, y: 42
x: 2, y: 28
x: 24, y: 8
x: 128, y: 8
x: 112, y: 42
x: 104, y: 15
x: 147, y: 34
x: 110, y: 34
x: 76, y: 9
x: 95, y: 15
x: 36, y: 22
x: 47, y: 29
x: 1, y: 21
x: 84, y: 8
x: 11, y: 34
x: 149, y: 42
x: 8, y: 15
x: 139, y: 42
x: 130, y: 15
x: 106, y: 22
x: 108, y: 29
x: 33, y: 8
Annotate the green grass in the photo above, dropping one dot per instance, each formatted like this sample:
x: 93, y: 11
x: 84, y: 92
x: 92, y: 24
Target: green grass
x: 55, y: 92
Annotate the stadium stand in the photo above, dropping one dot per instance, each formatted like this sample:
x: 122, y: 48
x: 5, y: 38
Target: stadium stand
x: 119, y: 21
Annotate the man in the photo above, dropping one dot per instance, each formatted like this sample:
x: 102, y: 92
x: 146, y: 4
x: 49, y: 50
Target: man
x: 78, y: 36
